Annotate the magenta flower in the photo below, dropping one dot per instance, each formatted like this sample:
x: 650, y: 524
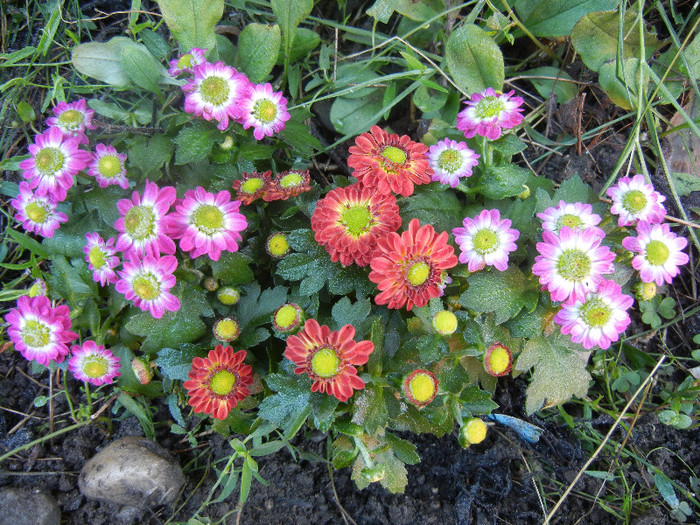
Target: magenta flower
x: 574, y: 215
x: 451, y: 160
x: 659, y: 252
x: 93, y: 363
x: 217, y: 92
x: 148, y: 281
x: 185, y: 63
x: 486, y: 240
x: 265, y: 110
x: 634, y: 200
x: 207, y: 224
x: 598, y: 318
x: 143, y: 224
x: 55, y: 160
x: 101, y: 258
x: 490, y: 112
x: 107, y: 166
x: 37, y: 212
x: 72, y: 119
x: 39, y: 331
x: 572, y: 263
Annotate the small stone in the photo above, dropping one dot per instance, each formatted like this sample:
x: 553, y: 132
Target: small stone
x: 132, y: 471
x: 23, y: 507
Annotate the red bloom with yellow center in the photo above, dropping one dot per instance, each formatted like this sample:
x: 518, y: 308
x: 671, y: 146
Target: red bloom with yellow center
x: 218, y: 382
x: 288, y: 184
x: 348, y: 221
x: 252, y: 186
x: 386, y: 162
x: 329, y: 358
x: 408, y: 269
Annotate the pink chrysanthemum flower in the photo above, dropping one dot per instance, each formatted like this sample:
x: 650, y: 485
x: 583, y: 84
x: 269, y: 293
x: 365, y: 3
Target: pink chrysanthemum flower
x: 265, y: 110
x: 634, y: 200
x: 486, y: 240
x: 490, y: 112
x: 207, y: 224
x: 55, y: 160
x: 101, y: 258
x: 93, y: 363
x: 107, y: 166
x: 37, y: 212
x: 451, y: 160
x: 143, y: 224
x: 659, y: 252
x: 185, y: 63
x: 72, y: 119
x: 574, y: 215
x: 39, y: 331
x: 572, y: 263
x: 216, y: 92
x: 147, y: 282
x: 598, y: 318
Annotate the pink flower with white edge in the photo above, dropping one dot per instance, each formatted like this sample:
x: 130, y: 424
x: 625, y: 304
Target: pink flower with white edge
x: 39, y: 331
x: 37, y: 212
x: 575, y: 215
x: 185, y: 63
x: 93, y: 363
x: 265, y: 110
x: 486, y: 240
x: 490, y: 112
x: 572, y: 263
x: 217, y: 92
x: 207, y: 224
x: 72, y: 119
x: 107, y: 166
x: 147, y: 282
x: 55, y: 160
x: 143, y: 224
x: 634, y: 200
x: 451, y: 160
x: 659, y: 252
x: 101, y: 258
x: 598, y: 318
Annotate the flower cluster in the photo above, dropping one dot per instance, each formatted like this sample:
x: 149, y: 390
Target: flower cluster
x: 254, y: 186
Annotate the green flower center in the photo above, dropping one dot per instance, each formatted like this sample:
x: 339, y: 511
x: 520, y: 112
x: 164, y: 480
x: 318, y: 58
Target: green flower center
x: 71, y: 118
x: 227, y: 329
x: 489, y: 107
x: 394, y: 154
x: 595, y: 312
x: 184, y: 62
x: 291, y: 180
x: 252, y: 185
x: 570, y: 220
x: 97, y: 257
x: 418, y: 273
x: 422, y: 387
x: 109, y: 166
x: 574, y: 265
x: 222, y: 383
x: 325, y: 363
x: 95, y: 366
x: 36, y: 334
x: 49, y: 160
x: 139, y: 222
x: 286, y: 316
x: 357, y: 219
x: 485, y: 241
x: 450, y: 161
x: 36, y: 213
x: 277, y: 245
x: 209, y: 219
x: 657, y: 253
x: 146, y: 287
x: 214, y: 91
x: 634, y: 201
x: 265, y: 111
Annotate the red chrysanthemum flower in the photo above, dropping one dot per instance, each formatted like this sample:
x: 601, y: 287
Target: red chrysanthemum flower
x: 386, y: 162
x: 408, y: 268
x: 218, y: 382
x: 348, y: 221
x: 252, y: 186
x: 328, y: 358
x: 288, y: 184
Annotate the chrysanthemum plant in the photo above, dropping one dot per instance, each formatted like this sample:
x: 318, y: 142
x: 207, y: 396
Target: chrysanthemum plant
x: 198, y: 263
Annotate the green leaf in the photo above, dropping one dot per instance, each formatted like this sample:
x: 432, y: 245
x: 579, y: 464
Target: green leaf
x: 305, y: 41
x: 176, y: 364
x: 142, y: 68
x: 503, y: 181
x: 435, y: 206
x: 404, y: 450
x: 685, y: 183
x: 194, y: 143
x: 559, y: 371
x: 192, y: 22
x: 382, y: 10
x: 292, y: 398
x: 141, y: 413
x: 503, y: 293
x: 155, y: 43
x: 555, y: 83
x: 371, y: 410
x: 474, y: 59
x: 352, y: 116
x: 323, y: 409
x: 427, y: 99
x: 232, y: 268
x: 477, y: 401
x: 72, y: 281
x: 344, y: 313
x: 150, y: 154
x: 258, y: 47
x: 26, y: 112
x: 509, y: 144
x: 432, y: 348
x: 622, y: 87
x: 572, y: 190
x: 420, y: 11
x: 103, y: 60
x: 666, y: 489
x: 289, y: 14
x: 28, y: 243
x: 557, y: 17
x: 255, y: 308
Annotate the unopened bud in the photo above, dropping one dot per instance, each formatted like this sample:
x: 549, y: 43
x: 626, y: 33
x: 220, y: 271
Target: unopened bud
x: 445, y: 322
x: 142, y: 370
x: 420, y: 387
x: 645, y: 291
x: 228, y: 295
x: 498, y: 360
x: 472, y: 432
x: 374, y: 474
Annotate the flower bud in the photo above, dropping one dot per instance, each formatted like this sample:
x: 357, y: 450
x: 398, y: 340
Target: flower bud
x: 472, y: 432
x: 142, y: 370
x: 645, y: 291
x: 227, y: 330
x: 420, y: 387
x: 227, y: 144
x: 445, y: 322
x: 37, y: 288
x: 498, y: 360
x: 210, y: 284
x: 288, y: 318
x: 373, y: 474
x: 277, y: 245
x: 228, y: 295
x: 525, y: 193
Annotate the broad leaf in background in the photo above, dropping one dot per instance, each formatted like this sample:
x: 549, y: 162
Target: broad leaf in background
x: 557, y: 17
x: 142, y: 68
x: 192, y: 22
x: 382, y: 10
x: 289, y: 14
x: 474, y: 59
x: 622, y: 86
x: 103, y: 60
x: 258, y: 48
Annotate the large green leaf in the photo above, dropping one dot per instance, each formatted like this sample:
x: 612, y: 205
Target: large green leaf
x: 103, y: 60
x: 142, y: 68
x: 258, y: 47
x: 558, y: 17
x: 474, y: 59
x: 382, y: 10
x: 192, y: 22
x: 289, y: 14
x: 621, y: 86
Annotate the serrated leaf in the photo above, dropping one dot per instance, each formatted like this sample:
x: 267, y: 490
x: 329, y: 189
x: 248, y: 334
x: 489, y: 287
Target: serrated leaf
x: 258, y: 47
x: 192, y: 22
x: 474, y: 59
x: 503, y: 293
x: 500, y: 182
x: 370, y: 409
x: 441, y: 209
x: 572, y: 190
x: 193, y: 144
x: 432, y: 348
x: 255, y: 308
x: 142, y: 68
x: 323, y: 410
x: 477, y: 401
x: 72, y: 281
x: 404, y: 450
x: 292, y: 398
x: 175, y: 364
x: 344, y: 312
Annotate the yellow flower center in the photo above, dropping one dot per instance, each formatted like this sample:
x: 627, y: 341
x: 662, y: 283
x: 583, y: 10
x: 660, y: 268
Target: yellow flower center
x: 475, y: 431
x: 35, y: 212
x: 49, y: 160
x: 657, y: 253
x: 95, y: 366
x: 418, y: 273
x: 277, y: 245
x: 291, y: 180
x: 71, y: 118
x: 394, y: 154
x: 634, y: 201
x: 570, y: 220
x: 485, y: 241
x: 139, y: 222
x: 228, y: 296
x: 646, y: 291
x: 422, y: 387
x: 445, y: 322
x: 36, y: 334
x: 286, y: 316
x: 146, y: 287
x: 252, y: 185
x: 208, y: 219
x: 109, y: 166
x: 185, y: 61
x: 499, y: 360
x: 357, y: 219
x: 574, y: 265
x: 227, y: 329
x: 595, y: 312
x: 214, y: 91
x: 489, y: 107
x: 97, y: 257
x: 265, y: 111
x: 222, y: 382
x: 325, y: 363
x: 450, y: 161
